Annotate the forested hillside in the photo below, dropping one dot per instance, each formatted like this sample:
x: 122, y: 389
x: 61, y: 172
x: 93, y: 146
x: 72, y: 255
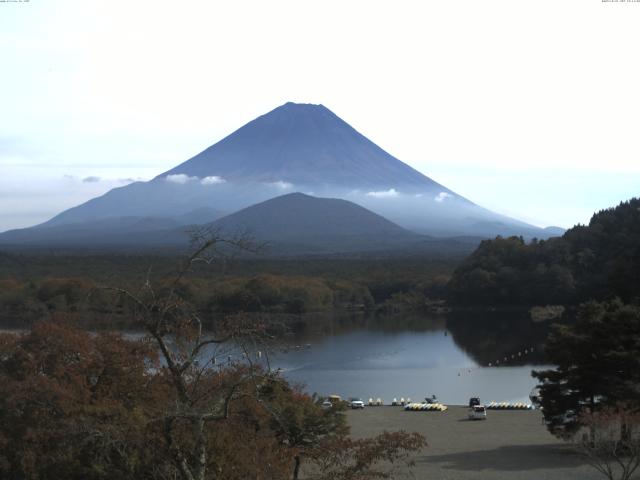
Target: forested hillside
x: 35, y: 287
x: 596, y: 261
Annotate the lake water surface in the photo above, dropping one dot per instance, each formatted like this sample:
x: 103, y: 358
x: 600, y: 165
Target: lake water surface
x: 454, y: 357
x: 414, y: 359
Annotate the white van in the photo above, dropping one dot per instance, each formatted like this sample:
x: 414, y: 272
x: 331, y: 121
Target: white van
x: 477, y: 412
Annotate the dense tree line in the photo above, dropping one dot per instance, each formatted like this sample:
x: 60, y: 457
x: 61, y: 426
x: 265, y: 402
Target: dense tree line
x: 382, y: 275
x: 36, y: 287
x: 23, y: 302
x: 271, y: 293
x: 597, y: 261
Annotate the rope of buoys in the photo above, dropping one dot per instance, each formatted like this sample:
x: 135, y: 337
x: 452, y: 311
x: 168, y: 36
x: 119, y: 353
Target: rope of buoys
x: 513, y: 356
x: 425, y: 407
x: 504, y: 360
x: 509, y: 406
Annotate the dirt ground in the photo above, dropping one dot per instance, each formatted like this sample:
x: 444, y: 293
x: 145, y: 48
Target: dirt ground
x: 511, y: 445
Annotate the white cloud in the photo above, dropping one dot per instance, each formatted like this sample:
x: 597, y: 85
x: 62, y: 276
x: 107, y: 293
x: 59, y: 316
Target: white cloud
x: 442, y: 196
x: 180, y: 178
x: 98, y: 179
x: 392, y: 192
x: 212, y: 180
x: 130, y: 180
x: 280, y: 185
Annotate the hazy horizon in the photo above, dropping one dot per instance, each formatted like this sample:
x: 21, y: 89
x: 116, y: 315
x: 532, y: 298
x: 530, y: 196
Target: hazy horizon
x: 497, y: 101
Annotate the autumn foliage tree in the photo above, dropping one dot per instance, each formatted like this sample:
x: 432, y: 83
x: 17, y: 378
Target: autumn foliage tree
x: 83, y: 406
x: 75, y: 405
x: 612, y: 445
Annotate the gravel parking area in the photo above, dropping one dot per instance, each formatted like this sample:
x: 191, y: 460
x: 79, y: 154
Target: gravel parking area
x: 511, y: 445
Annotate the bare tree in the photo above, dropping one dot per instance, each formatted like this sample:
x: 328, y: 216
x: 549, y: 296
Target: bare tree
x: 612, y: 443
x: 201, y: 398
x: 203, y: 392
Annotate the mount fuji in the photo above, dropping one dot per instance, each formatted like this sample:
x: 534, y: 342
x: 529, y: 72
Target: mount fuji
x: 294, y: 148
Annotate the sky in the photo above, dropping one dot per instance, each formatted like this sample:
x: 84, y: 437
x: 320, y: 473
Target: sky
x: 528, y: 108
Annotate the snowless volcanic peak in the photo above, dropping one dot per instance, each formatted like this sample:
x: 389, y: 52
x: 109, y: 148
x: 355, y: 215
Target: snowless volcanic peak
x: 297, y: 148
x: 304, y: 145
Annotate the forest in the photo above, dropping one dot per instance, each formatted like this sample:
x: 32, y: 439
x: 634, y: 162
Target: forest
x: 597, y: 261
x: 33, y: 287
x: 593, y: 262
x: 589, y: 262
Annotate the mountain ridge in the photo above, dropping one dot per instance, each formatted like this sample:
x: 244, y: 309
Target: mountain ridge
x: 306, y: 148
x: 294, y: 223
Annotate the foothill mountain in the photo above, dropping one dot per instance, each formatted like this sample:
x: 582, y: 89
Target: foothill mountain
x: 294, y: 148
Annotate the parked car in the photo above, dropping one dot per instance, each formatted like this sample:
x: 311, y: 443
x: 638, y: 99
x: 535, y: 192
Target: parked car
x: 535, y: 397
x: 477, y: 412
x: 563, y: 425
x: 356, y: 403
x: 327, y: 404
x: 564, y: 420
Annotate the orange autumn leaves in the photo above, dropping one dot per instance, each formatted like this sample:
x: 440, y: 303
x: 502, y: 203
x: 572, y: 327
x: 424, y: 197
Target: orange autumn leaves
x: 79, y: 405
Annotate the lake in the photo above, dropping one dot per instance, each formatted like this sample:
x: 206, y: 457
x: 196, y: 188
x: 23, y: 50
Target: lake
x: 454, y: 356
x: 418, y: 357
